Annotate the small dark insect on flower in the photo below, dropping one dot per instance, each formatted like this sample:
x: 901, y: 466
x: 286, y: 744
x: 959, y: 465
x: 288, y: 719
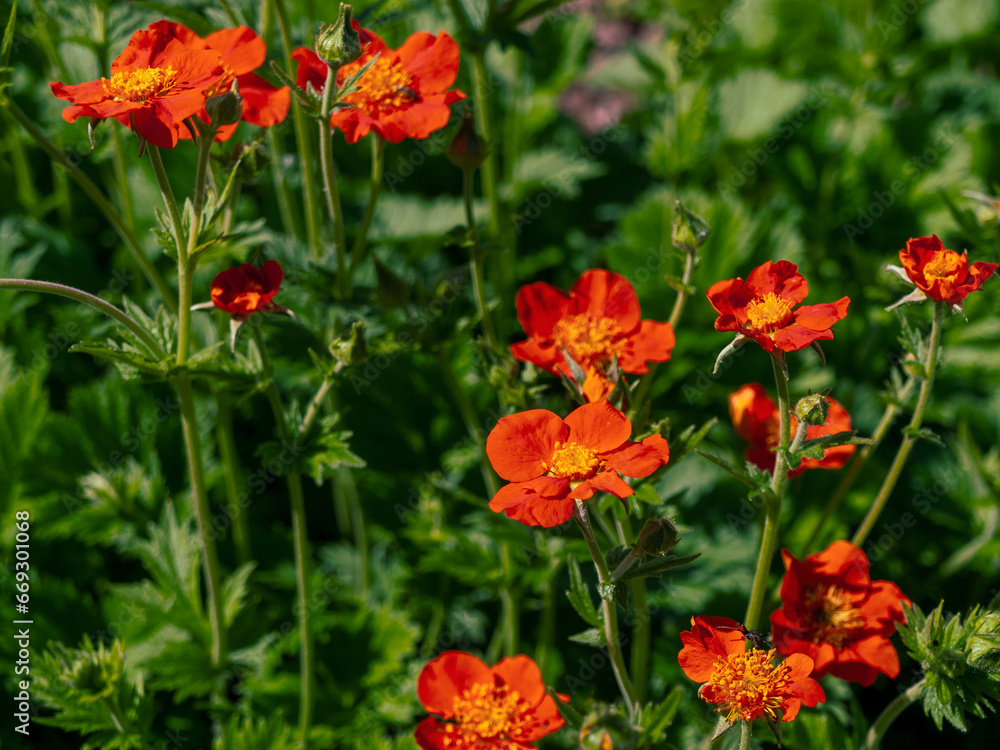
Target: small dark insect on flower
x: 408, y: 93
x: 758, y: 640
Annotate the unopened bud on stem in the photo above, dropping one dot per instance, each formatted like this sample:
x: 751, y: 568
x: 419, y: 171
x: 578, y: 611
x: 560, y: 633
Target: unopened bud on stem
x: 338, y: 44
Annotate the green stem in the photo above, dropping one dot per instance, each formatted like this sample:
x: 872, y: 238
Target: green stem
x: 491, y: 166
x: 769, y: 537
x: 100, y: 200
x: 378, y: 166
x: 121, y: 170
x: 301, y: 139
x: 329, y: 172
x: 675, y: 317
x: 167, y: 193
x: 894, y: 709
x: 859, y: 461
x: 476, y: 265
x: 933, y: 350
x: 231, y: 463
x: 203, y: 514
x: 289, y: 220
x: 608, y: 612
x: 508, y: 603
x: 29, y: 285
x: 641, y: 627
x: 744, y: 735
x: 293, y: 479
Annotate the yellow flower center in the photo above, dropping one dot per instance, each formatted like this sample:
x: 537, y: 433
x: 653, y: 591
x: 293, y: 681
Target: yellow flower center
x: 485, y: 715
x: 139, y: 85
x: 573, y: 461
x: 769, y: 313
x: 586, y: 338
x: 386, y: 86
x: 945, y: 264
x: 749, y: 683
x: 831, y: 615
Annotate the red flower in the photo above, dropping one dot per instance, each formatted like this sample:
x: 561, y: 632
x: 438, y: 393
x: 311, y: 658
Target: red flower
x: 244, y: 290
x: 598, y: 320
x: 745, y: 684
x: 156, y: 82
x: 550, y: 463
x: 403, y: 95
x: 834, y: 612
x: 938, y: 273
x: 242, y: 52
x: 503, y: 707
x: 755, y: 417
x: 761, y: 308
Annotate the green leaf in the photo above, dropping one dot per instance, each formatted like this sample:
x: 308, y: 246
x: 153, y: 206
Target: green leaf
x: 132, y: 363
x: 656, y: 718
x: 657, y: 566
x: 925, y: 433
x: 234, y: 591
x: 247, y: 733
x: 8, y: 41
x: 579, y: 594
x: 590, y: 637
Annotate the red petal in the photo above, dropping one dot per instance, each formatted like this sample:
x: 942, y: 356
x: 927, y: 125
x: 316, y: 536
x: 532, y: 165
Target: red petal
x: 606, y: 481
x: 264, y: 105
x: 430, y: 735
x: 651, y: 342
x: 794, y: 337
x: 433, y: 60
x: 447, y: 677
x: 545, y: 718
x: 604, y: 294
x: 781, y: 278
x: 598, y: 426
x: 241, y: 49
x: 523, y: 675
x: 639, y: 459
x: 539, y: 307
x: 311, y: 69
x: 544, y: 356
x: 520, y: 444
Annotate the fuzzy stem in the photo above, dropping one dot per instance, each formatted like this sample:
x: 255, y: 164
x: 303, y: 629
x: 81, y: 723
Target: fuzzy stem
x: 231, y: 463
x: 769, y: 537
x: 300, y: 536
x: 378, y: 166
x: 100, y: 200
x: 641, y: 630
x: 860, y: 459
x: 476, y: 265
x: 330, y: 183
x: 608, y: 612
x: 745, y: 735
x: 933, y: 350
x: 30, y: 285
x: 894, y: 709
x: 301, y: 139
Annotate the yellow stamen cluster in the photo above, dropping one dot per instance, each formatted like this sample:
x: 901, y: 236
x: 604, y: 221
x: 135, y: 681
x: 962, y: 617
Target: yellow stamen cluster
x: 830, y: 615
x: 485, y: 715
x: 573, y: 461
x: 139, y: 85
x: 749, y: 684
x: 945, y: 264
x: 586, y: 338
x: 769, y: 313
x: 385, y: 86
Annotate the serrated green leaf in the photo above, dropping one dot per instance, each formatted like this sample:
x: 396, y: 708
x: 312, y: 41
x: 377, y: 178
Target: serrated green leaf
x: 579, y: 594
x: 234, y: 591
x: 656, y: 718
x: 589, y: 637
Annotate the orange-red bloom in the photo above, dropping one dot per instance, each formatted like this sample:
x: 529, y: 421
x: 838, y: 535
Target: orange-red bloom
x: 242, y: 52
x: 755, y: 417
x: 939, y: 273
x: 503, y: 707
x: 550, y: 462
x: 403, y: 95
x: 834, y: 612
x: 763, y: 308
x: 247, y: 289
x: 745, y: 684
x: 597, y: 321
x: 155, y: 83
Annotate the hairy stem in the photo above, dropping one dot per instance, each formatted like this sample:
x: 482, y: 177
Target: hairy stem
x: 609, y: 615
x: 100, y: 200
x: 330, y: 184
x: 378, y: 166
x: 476, y: 265
x: 878, y: 505
x: 894, y: 709
x: 769, y: 537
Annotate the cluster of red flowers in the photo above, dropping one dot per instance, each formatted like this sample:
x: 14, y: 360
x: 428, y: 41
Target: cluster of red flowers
x: 167, y: 73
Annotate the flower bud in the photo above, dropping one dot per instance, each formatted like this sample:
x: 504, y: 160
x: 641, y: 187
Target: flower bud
x: 812, y: 409
x: 339, y: 44
x: 605, y: 728
x: 227, y: 108
x: 467, y: 149
x: 351, y: 349
x: 658, y: 536
x: 690, y: 230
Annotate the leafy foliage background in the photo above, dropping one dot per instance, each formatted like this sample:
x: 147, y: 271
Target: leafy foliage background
x: 864, y: 105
